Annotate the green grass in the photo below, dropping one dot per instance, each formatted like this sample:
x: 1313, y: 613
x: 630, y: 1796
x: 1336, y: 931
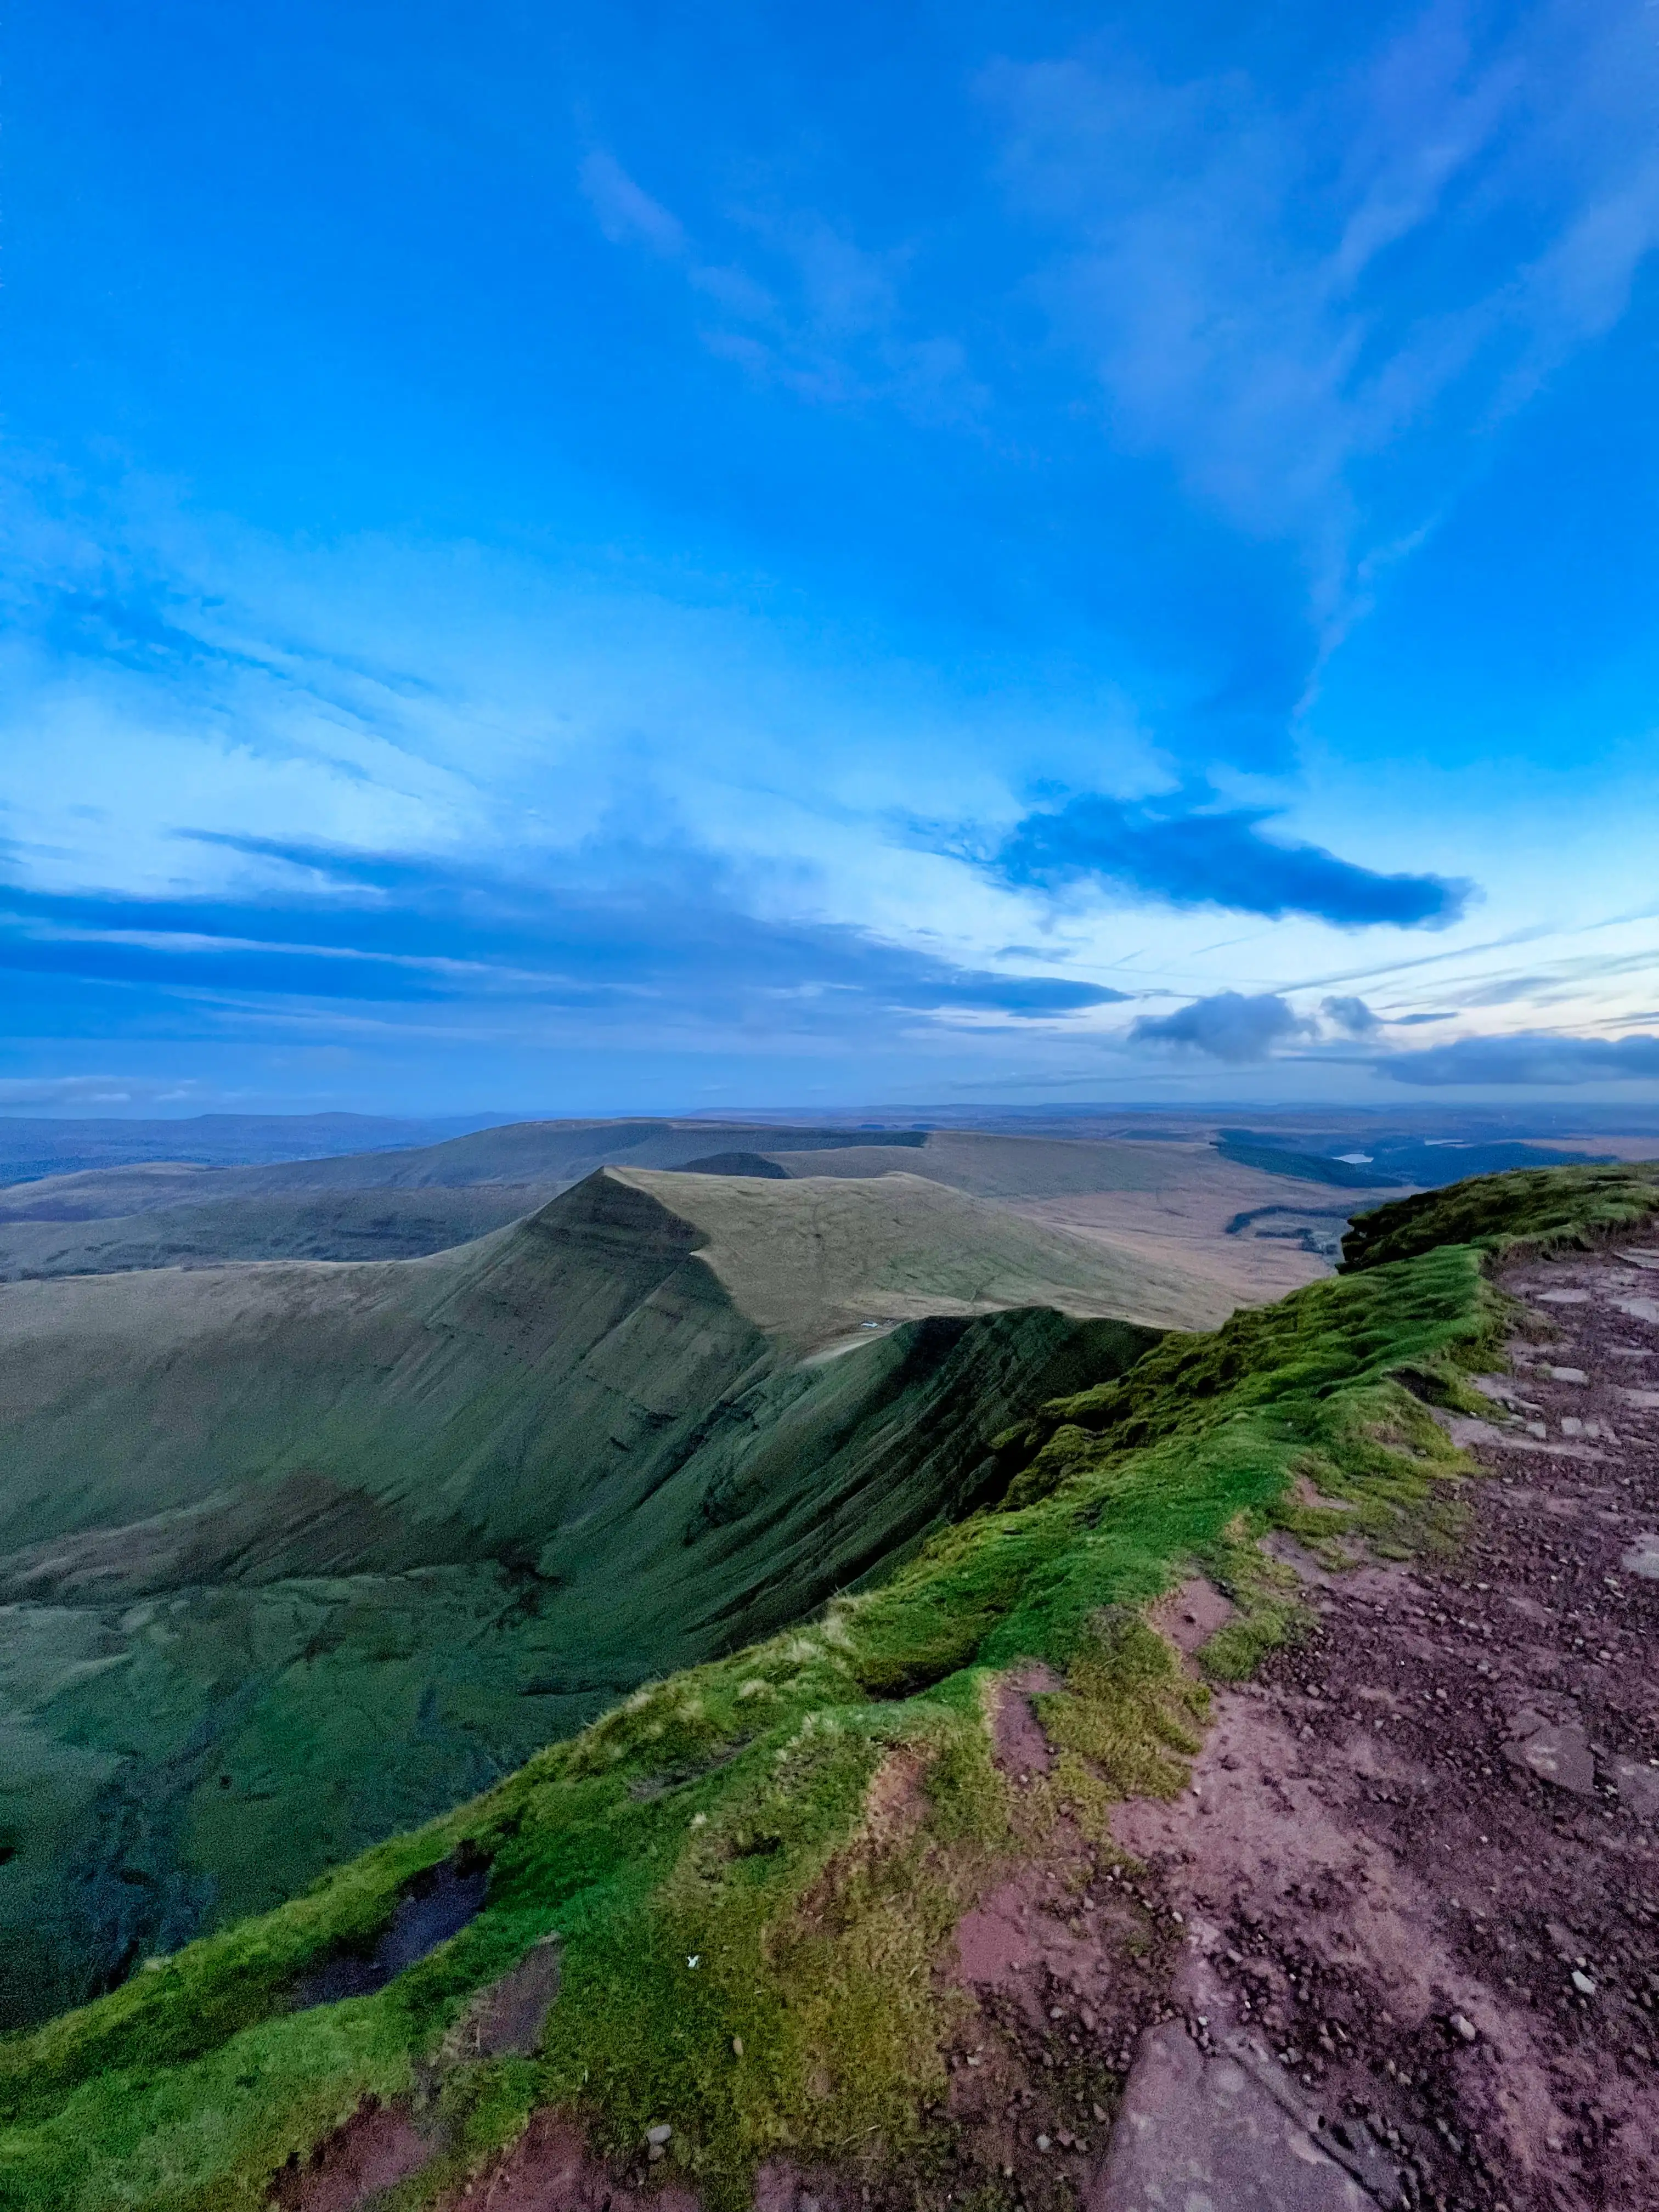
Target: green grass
x: 1544, y: 1207
x: 807, y: 1818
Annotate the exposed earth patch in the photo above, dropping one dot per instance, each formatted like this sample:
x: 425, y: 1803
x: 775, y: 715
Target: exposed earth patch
x: 1417, y: 1860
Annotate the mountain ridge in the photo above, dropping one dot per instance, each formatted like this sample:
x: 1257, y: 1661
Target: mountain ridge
x: 752, y: 1875
x: 296, y: 1553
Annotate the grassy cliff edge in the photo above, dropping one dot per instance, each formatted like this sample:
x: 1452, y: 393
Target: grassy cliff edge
x: 753, y: 1868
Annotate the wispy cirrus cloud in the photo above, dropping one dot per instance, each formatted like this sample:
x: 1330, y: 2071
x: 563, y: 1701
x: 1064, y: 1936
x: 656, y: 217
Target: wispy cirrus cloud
x: 615, y: 938
x: 90, y: 1094
x: 827, y: 318
x: 1277, y: 293
x: 625, y: 212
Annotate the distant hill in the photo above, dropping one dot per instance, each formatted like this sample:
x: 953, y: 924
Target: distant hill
x: 1428, y: 1163
x: 401, y: 1204
x: 1007, y: 1166
x: 298, y: 1554
x: 32, y: 1146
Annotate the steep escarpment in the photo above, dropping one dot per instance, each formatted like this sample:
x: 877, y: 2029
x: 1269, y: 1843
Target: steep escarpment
x: 295, y: 1556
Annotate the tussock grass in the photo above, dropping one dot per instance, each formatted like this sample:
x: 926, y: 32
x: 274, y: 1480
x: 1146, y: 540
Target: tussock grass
x: 753, y: 1867
x: 1542, y: 1208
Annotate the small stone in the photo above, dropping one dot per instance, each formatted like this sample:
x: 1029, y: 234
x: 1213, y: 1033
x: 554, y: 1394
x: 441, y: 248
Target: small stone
x: 1044, y: 2143
x: 1463, y: 2028
x: 655, y: 2152
x: 1099, y: 2112
x: 1582, y: 1983
x: 660, y: 2134
x: 736, y: 2046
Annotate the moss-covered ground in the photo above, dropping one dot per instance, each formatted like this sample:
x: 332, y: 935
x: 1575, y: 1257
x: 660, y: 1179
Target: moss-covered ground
x: 753, y: 1867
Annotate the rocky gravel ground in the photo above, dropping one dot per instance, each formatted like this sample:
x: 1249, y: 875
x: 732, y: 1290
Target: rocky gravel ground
x: 1421, y: 1860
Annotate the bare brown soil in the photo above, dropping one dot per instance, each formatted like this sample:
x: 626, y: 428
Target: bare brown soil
x: 378, y: 2147
x: 1399, y: 1847
x: 1418, y: 1861
x: 551, y: 2169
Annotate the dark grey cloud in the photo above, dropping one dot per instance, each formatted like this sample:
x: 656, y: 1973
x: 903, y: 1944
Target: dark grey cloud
x: 1352, y: 1015
x: 1530, y: 1057
x: 1193, y: 854
x: 1230, y: 1026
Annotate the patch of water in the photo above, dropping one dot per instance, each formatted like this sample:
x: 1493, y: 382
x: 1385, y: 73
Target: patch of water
x: 436, y: 1905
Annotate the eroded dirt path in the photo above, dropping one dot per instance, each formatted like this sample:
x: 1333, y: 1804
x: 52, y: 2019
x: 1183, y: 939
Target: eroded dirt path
x: 1420, y: 1863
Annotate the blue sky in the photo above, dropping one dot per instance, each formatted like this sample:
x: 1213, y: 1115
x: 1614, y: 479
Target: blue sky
x: 693, y: 555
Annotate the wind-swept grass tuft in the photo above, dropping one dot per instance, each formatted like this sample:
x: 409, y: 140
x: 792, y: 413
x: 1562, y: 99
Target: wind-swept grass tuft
x: 1542, y: 1207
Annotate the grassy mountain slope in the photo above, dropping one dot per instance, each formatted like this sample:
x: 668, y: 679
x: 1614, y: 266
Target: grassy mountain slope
x: 814, y: 1257
x: 347, y: 1224
x: 1534, y: 1206
x: 991, y: 1166
x: 296, y: 1555
x: 753, y: 1868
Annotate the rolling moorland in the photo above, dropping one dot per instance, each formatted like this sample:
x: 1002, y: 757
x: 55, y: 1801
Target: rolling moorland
x: 764, y: 1916
x: 32, y: 1147
x: 393, y: 1202
x: 1248, y: 1209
